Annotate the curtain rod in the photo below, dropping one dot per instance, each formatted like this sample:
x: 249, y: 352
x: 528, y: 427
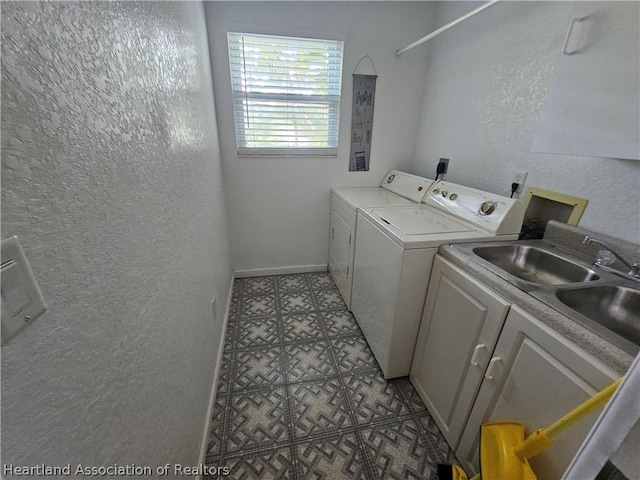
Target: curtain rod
x: 447, y: 27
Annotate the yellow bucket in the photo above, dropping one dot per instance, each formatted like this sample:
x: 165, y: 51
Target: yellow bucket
x: 504, y: 451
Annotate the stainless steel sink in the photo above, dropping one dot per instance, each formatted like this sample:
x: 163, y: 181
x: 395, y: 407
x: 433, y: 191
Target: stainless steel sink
x: 613, y: 306
x: 600, y: 299
x: 535, y: 265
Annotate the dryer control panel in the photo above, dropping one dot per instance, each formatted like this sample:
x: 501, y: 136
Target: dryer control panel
x: 495, y: 213
x: 406, y: 185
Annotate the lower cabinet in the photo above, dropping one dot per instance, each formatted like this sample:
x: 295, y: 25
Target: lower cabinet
x: 535, y: 376
x: 460, y: 326
x: 479, y: 359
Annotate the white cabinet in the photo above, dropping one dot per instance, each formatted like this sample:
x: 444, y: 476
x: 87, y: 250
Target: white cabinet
x: 535, y: 377
x: 460, y: 326
x: 343, y: 221
x: 593, y: 101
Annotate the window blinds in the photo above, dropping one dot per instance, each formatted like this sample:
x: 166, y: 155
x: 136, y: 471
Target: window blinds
x: 286, y: 94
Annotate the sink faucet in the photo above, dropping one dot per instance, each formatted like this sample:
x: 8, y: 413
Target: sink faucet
x: 634, y: 270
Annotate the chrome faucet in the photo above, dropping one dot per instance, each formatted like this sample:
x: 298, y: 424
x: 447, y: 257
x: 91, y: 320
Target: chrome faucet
x: 634, y: 270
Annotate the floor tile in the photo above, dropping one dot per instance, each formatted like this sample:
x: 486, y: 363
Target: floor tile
x: 230, y: 337
x: 258, y: 285
x: 307, y: 361
x: 339, y: 323
x: 434, y: 437
x: 399, y: 452
x: 373, y: 398
x: 301, y: 326
x: 353, y: 353
x: 258, y: 306
x: 256, y: 419
x: 224, y: 377
x: 318, y: 407
x: 300, y: 395
x: 320, y: 280
x: 214, y: 442
x: 329, y: 299
x: 411, y: 395
x: 257, y: 332
x: 234, y: 306
x: 274, y: 464
x: 256, y: 368
x: 292, y: 283
x: 333, y: 458
x: 296, y: 302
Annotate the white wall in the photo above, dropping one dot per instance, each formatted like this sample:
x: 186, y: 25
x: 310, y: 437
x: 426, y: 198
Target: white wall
x: 487, y: 80
x: 279, y: 207
x: 111, y: 180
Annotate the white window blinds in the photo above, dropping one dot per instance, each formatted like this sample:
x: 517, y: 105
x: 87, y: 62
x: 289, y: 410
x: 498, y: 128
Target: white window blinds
x: 286, y: 94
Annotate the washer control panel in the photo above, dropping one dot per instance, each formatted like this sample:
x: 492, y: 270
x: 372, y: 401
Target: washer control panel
x: 487, y: 208
x: 492, y: 212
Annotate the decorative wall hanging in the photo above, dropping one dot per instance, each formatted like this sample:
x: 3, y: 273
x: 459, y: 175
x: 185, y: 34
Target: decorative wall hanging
x: 364, y: 89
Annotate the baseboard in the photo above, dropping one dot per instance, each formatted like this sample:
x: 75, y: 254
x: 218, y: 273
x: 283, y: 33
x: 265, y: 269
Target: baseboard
x: 263, y: 272
x: 214, y: 384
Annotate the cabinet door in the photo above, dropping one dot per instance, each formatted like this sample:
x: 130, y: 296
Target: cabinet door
x: 460, y: 326
x: 593, y: 100
x: 339, y: 249
x: 535, y: 377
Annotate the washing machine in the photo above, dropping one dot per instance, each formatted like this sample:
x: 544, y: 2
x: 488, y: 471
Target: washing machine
x: 395, y: 248
x: 396, y: 188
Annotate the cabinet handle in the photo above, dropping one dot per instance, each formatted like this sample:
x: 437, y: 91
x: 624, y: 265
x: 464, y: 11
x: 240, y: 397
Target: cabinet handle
x: 476, y: 352
x: 492, y: 364
x: 332, y: 237
x: 569, y: 31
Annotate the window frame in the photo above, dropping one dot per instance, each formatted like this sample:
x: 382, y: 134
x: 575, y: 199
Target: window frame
x: 334, y: 107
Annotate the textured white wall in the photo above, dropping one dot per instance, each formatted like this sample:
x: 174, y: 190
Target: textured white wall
x: 279, y: 207
x: 487, y: 80
x: 111, y: 180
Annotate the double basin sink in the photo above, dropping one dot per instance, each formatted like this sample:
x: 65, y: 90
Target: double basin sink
x: 606, y: 302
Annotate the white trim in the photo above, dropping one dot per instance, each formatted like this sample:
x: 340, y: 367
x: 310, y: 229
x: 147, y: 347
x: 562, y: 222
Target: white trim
x: 287, y: 30
x: 263, y: 272
x: 214, y: 385
x: 286, y: 152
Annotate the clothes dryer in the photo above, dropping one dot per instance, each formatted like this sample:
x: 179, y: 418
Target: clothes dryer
x: 396, y: 188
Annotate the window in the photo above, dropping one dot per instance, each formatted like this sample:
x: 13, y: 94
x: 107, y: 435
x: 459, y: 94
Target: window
x: 286, y: 94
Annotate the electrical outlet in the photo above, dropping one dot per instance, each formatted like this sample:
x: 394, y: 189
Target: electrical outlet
x: 520, y: 178
x: 445, y: 165
x: 214, y: 307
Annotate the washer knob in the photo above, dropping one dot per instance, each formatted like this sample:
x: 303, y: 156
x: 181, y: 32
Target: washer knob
x: 436, y: 190
x: 444, y: 193
x: 453, y: 196
x: 487, y: 208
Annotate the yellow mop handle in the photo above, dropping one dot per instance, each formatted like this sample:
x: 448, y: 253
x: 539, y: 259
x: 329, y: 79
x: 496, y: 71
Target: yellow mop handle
x: 541, y: 439
x: 577, y: 414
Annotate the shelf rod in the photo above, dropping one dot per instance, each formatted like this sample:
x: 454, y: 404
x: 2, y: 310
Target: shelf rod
x: 447, y: 27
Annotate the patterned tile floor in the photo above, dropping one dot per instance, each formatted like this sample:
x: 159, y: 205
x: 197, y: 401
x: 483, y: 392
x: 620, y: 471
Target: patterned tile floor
x: 300, y: 395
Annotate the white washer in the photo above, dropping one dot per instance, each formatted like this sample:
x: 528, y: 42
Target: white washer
x: 394, y: 252
x: 396, y: 188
